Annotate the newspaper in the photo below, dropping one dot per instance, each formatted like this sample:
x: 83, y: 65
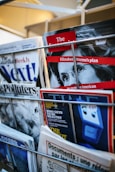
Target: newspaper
x: 22, y: 62
x: 14, y: 151
x: 80, y: 157
x: 20, y: 108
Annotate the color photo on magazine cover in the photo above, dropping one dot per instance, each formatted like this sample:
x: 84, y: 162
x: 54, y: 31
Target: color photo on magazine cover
x: 13, y: 159
x: 13, y: 153
x: 90, y: 125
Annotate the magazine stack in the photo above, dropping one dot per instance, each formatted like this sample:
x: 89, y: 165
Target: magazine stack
x: 57, y: 101
x: 79, y: 105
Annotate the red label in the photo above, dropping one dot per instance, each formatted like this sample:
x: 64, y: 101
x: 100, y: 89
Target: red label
x: 61, y: 38
x: 83, y: 59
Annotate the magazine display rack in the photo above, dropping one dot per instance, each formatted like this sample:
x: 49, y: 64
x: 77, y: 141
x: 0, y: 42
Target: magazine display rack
x: 97, y: 39
x: 68, y: 163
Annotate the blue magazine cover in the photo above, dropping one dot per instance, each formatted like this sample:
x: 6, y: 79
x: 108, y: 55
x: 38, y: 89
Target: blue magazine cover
x: 84, y: 120
x: 14, y: 151
x: 13, y: 159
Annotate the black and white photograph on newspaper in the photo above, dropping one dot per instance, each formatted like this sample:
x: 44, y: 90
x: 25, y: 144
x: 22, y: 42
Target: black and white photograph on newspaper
x: 19, y: 110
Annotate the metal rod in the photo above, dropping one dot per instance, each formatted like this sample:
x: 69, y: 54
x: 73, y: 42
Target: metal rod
x: 70, y: 42
x: 57, y: 101
x: 49, y: 156
x: 75, y: 66
x: 80, y: 41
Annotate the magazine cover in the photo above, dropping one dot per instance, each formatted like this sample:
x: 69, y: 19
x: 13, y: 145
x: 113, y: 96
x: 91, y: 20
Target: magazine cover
x: 68, y: 65
x: 20, y: 108
x: 75, y: 157
x: 80, y: 117
x: 13, y: 153
x: 96, y: 33
x: 22, y: 62
x: 85, y: 73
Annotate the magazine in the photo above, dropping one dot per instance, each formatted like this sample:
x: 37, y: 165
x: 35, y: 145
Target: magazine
x: 20, y: 108
x: 22, y: 62
x: 99, y: 72
x: 80, y: 116
x: 84, y: 34
x: 73, y: 157
x: 14, y: 151
x: 89, y: 56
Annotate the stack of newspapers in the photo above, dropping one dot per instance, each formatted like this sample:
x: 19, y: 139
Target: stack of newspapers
x: 21, y: 76
x: 20, y: 122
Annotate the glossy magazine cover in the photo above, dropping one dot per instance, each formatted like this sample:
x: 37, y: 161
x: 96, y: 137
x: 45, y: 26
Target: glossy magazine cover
x: 80, y: 65
x: 90, y: 125
x: 13, y: 153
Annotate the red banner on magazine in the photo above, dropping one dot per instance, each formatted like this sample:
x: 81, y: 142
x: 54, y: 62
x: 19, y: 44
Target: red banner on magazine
x: 61, y: 38
x: 99, y: 85
x: 105, y: 85
x: 83, y: 59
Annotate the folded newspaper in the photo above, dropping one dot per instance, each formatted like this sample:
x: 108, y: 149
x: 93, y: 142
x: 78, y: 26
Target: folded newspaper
x: 63, y: 153
x: 14, y: 151
x: 20, y: 108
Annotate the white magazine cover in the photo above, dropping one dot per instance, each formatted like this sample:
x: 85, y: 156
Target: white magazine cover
x: 20, y: 108
x: 23, y: 62
x: 58, y: 147
x: 14, y: 151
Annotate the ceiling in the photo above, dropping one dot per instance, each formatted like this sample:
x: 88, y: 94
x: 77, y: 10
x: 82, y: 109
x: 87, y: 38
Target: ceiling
x: 58, y: 8
x: 43, y: 10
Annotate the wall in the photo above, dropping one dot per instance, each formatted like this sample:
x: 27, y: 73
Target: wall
x: 17, y: 18
x: 7, y: 37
